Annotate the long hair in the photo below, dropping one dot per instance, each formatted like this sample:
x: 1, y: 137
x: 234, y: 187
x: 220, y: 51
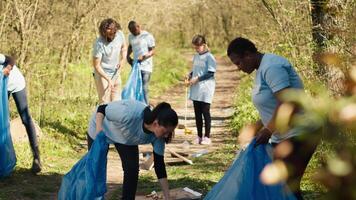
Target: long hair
x: 165, y: 116
x: 105, y: 24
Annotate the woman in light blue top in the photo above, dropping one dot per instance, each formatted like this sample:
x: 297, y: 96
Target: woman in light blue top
x: 129, y: 123
x: 274, y: 75
x: 202, y: 87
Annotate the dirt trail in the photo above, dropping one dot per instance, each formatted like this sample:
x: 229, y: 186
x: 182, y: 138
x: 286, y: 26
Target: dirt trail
x: 221, y: 111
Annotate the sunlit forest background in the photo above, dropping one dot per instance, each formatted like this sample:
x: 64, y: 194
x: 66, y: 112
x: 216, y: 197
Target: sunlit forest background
x: 52, y: 43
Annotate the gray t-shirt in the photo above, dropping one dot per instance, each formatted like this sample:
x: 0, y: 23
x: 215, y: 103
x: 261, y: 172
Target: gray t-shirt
x: 16, y: 80
x: 109, y: 52
x: 203, y: 90
x: 274, y: 74
x: 123, y: 123
x: 140, y: 45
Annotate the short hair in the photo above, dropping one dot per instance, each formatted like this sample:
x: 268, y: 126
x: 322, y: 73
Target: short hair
x: 105, y: 24
x: 240, y: 46
x: 132, y: 24
x: 198, y: 40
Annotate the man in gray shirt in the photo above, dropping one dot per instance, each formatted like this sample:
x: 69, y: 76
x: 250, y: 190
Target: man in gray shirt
x: 109, y: 53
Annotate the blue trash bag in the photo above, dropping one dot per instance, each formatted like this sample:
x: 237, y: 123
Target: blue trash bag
x: 7, y: 151
x: 87, y: 179
x: 134, y: 88
x: 242, y: 180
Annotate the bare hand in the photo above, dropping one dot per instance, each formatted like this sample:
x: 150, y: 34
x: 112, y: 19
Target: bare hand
x: 6, y: 71
x: 193, y: 80
x: 263, y: 136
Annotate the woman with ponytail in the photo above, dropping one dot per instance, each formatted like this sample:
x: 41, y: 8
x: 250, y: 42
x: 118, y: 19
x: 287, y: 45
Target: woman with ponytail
x: 202, y: 87
x: 129, y: 123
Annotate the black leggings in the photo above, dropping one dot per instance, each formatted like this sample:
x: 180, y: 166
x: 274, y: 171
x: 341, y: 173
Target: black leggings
x: 202, y: 109
x: 130, y: 164
x: 20, y: 98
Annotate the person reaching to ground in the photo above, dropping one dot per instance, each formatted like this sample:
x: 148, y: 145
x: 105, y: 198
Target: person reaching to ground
x: 17, y: 88
x: 202, y: 86
x: 129, y: 123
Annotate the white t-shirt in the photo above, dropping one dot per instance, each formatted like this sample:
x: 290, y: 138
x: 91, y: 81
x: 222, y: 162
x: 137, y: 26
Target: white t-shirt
x: 16, y: 81
x: 109, y: 52
x: 140, y: 44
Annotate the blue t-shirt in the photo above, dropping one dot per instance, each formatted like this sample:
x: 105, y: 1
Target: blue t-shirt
x: 274, y: 74
x: 109, y: 52
x: 203, y: 90
x: 140, y: 44
x: 123, y: 123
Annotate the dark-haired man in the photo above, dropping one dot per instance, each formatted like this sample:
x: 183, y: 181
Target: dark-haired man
x: 109, y: 52
x: 142, y: 44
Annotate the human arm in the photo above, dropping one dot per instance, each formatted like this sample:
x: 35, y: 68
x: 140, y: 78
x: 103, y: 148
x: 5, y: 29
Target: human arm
x: 99, y: 117
x: 100, y: 71
x: 150, y: 53
x: 123, y: 56
x: 161, y: 173
x: 128, y: 54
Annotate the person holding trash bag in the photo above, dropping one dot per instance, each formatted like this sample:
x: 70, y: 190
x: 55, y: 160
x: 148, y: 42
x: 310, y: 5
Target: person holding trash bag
x: 17, y: 87
x: 109, y: 54
x: 142, y: 45
x: 274, y: 76
x: 129, y: 123
x: 202, y: 87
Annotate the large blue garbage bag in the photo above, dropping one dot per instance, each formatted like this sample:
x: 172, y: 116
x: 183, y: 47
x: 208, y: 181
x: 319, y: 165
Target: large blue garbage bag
x: 7, y: 152
x: 134, y: 88
x: 242, y: 180
x: 87, y: 179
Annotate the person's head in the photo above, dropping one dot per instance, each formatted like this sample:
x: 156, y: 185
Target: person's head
x: 134, y: 28
x: 243, y: 53
x: 108, y: 28
x: 163, y: 120
x: 199, y: 43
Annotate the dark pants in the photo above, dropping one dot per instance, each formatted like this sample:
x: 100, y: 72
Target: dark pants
x: 146, y: 76
x: 302, y: 150
x: 130, y: 164
x: 202, y: 109
x: 22, y: 108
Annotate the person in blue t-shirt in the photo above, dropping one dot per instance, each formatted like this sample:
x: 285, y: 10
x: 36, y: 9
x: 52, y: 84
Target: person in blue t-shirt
x: 142, y: 45
x: 17, y: 87
x: 129, y: 123
x: 202, y: 86
x: 274, y: 75
x: 109, y: 54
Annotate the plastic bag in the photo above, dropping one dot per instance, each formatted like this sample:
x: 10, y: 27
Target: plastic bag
x: 7, y: 151
x: 87, y: 179
x: 242, y: 180
x: 134, y: 88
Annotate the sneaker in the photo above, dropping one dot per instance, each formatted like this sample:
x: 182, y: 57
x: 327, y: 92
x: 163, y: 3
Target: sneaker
x: 36, y: 166
x: 206, y: 141
x: 198, y: 140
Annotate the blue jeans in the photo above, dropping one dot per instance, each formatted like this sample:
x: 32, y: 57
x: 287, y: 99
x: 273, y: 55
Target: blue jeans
x: 20, y: 98
x: 146, y: 76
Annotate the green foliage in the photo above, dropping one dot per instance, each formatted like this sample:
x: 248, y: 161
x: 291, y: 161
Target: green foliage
x: 245, y: 113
